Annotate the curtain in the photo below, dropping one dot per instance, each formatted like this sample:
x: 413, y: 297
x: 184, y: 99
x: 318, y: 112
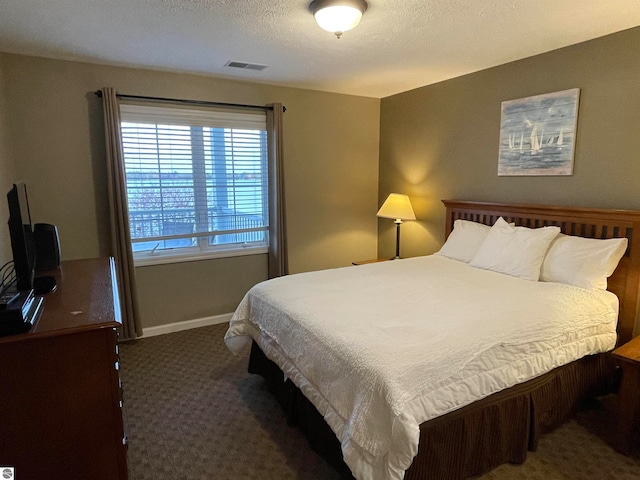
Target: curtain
x: 119, y: 216
x: 278, y: 256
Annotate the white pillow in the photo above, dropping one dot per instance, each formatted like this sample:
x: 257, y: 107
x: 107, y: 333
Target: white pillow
x: 583, y: 262
x: 464, y: 240
x: 517, y: 251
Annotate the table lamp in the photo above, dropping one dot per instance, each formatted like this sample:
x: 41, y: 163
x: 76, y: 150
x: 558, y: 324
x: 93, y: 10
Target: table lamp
x: 398, y: 207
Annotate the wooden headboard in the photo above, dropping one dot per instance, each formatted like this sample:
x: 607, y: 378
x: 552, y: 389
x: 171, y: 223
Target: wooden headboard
x: 583, y: 222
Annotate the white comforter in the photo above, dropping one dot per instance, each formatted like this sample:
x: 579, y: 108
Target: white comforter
x: 381, y: 348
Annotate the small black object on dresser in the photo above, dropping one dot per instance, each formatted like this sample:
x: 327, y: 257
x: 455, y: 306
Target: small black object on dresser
x: 47, y: 246
x: 20, y: 313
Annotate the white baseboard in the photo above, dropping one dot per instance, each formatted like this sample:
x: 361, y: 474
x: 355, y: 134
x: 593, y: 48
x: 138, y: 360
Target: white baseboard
x: 186, y: 325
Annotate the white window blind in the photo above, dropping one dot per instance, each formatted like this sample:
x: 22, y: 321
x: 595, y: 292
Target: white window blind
x: 196, y: 180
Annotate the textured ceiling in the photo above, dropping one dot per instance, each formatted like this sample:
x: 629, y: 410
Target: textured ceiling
x: 399, y: 44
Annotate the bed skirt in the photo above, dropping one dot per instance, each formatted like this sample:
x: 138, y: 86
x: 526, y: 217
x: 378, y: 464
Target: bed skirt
x: 472, y: 440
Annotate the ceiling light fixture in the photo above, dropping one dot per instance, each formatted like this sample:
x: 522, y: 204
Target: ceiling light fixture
x: 338, y: 16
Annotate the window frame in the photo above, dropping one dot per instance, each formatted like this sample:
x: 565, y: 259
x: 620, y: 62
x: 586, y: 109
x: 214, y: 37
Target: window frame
x: 207, y: 118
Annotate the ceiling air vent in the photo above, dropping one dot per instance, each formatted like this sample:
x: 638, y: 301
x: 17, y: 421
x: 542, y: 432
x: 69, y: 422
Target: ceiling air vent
x: 245, y: 65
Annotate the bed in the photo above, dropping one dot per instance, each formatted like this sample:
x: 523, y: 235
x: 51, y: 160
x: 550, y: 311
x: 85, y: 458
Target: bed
x: 453, y: 427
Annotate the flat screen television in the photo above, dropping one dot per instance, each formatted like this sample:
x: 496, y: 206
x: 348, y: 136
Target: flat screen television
x: 21, y: 234
x: 23, y: 244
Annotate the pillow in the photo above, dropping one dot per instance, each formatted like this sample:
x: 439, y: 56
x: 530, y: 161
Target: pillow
x: 464, y: 240
x: 517, y: 251
x: 583, y: 262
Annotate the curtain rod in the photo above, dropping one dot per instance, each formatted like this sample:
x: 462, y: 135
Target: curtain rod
x: 191, y: 102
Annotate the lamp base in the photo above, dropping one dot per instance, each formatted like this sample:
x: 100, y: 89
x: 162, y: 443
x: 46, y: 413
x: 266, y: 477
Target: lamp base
x: 398, y: 222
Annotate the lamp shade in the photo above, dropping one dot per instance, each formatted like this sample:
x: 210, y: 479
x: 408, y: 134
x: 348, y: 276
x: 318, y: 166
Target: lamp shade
x: 397, y: 206
x: 338, y: 16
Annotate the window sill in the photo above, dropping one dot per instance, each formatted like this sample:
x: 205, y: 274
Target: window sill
x: 162, y: 259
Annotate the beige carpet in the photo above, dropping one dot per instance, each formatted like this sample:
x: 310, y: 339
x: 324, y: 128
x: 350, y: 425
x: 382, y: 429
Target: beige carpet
x: 192, y: 412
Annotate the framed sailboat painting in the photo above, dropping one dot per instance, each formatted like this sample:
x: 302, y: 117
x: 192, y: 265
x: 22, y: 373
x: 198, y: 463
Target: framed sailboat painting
x: 538, y: 134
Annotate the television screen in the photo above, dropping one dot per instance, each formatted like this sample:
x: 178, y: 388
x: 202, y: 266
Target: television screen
x: 21, y: 234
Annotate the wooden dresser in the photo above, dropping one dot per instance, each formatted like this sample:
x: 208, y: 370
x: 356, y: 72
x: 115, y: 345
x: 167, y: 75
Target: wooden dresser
x: 60, y: 392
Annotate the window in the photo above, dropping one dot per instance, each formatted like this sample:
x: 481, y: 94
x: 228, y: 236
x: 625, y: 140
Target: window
x: 196, y: 182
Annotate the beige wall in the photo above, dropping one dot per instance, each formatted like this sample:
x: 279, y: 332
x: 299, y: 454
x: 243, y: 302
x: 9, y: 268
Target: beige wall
x: 441, y: 141
x: 331, y: 169
x: 7, y: 174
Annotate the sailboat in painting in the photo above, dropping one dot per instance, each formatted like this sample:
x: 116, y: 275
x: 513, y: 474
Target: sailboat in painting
x: 512, y: 141
x: 553, y: 139
x: 533, y: 138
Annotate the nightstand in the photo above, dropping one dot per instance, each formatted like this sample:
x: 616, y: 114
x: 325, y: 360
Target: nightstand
x: 628, y: 356
x: 374, y: 260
